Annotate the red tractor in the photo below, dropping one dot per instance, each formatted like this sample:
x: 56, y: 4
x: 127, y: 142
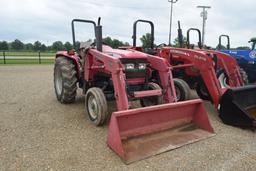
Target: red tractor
x: 104, y: 74
x: 201, y: 68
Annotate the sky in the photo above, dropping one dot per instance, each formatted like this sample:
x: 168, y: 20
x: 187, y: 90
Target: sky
x: 49, y: 20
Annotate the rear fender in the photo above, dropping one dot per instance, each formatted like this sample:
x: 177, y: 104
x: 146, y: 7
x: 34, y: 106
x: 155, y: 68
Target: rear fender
x: 74, y: 58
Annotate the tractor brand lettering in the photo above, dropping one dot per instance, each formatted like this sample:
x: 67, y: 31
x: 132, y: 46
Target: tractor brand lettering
x: 233, y: 52
x: 252, y: 54
x: 200, y: 58
x: 179, y: 52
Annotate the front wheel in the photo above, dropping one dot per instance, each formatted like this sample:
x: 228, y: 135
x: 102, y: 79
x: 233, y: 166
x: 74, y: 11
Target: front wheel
x: 154, y: 100
x: 96, y: 106
x: 202, y: 91
x: 182, y: 90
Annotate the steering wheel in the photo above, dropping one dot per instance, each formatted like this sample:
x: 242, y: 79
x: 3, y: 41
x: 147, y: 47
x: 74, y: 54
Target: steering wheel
x: 93, y: 44
x: 161, y: 45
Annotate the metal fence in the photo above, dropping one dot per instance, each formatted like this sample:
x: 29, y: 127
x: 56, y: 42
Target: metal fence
x: 7, y: 57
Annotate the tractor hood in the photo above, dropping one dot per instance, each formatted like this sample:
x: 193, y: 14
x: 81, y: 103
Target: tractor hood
x: 128, y: 54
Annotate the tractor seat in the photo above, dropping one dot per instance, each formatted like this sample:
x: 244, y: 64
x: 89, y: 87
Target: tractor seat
x: 149, y: 51
x: 86, y: 45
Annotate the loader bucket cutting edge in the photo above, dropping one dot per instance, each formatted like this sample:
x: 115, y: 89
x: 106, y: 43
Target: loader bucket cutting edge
x: 140, y: 133
x: 238, y: 107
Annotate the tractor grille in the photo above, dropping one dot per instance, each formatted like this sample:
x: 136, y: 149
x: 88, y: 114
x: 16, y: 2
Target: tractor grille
x: 136, y: 72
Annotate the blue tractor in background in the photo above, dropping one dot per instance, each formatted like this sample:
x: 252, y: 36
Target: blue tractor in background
x: 246, y: 58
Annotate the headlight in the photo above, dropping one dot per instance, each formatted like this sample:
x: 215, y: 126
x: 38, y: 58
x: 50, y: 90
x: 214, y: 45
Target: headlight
x: 142, y: 66
x: 129, y: 66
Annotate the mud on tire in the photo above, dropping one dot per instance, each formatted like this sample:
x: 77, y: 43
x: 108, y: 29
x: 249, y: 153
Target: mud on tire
x: 65, y: 80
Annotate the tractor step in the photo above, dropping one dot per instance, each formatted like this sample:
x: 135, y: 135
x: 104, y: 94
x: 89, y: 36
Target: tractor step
x: 147, y: 93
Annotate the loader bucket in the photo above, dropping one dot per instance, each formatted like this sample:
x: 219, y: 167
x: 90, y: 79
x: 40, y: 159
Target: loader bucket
x: 238, y: 107
x: 140, y: 133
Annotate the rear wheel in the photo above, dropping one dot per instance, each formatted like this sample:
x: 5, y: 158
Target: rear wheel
x: 223, y: 78
x: 154, y: 100
x: 65, y: 80
x: 96, y: 106
x: 182, y: 90
x: 244, y: 76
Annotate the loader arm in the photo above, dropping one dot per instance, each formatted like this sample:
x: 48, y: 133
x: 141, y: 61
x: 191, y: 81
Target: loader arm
x: 114, y: 67
x: 197, y: 64
x: 165, y: 73
x: 231, y: 68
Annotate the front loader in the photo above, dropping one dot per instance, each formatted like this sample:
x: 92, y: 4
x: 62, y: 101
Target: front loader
x: 235, y: 101
x: 103, y: 73
x: 227, y: 70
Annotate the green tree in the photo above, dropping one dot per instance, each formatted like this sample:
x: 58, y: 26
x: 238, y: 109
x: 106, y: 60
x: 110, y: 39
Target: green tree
x: 43, y: 48
x: 4, y: 45
x: 68, y: 46
x: 17, y: 45
x: 49, y: 48
x: 108, y: 41
x: 37, y: 46
x: 58, y: 45
x: 114, y: 43
x: 146, y: 40
x: 243, y: 48
x: 29, y: 47
x: 176, y: 42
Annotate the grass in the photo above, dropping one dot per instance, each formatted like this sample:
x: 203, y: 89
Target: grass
x: 8, y: 53
x: 26, y: 61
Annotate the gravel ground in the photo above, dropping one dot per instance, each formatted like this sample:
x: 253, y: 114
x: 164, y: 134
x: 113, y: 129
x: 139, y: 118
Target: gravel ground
x: 38, y: 133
